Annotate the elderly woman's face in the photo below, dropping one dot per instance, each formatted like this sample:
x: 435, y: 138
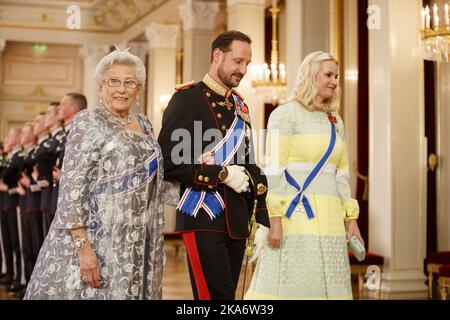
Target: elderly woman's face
x: 120, y: 88
x: 326, y: 80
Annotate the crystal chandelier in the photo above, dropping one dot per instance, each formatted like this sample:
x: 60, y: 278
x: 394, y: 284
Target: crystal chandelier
x: 270, y: 82
x: 436, y: 37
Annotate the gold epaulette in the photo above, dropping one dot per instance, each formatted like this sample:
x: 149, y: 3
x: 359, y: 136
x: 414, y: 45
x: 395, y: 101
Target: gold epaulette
x: 185, y: 85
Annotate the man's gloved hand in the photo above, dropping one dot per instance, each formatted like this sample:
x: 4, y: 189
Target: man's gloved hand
x: 237, y: 179
x: 260, y: 241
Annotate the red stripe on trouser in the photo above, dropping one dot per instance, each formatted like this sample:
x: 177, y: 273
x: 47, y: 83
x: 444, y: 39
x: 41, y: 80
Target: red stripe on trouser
x: 192, y: 251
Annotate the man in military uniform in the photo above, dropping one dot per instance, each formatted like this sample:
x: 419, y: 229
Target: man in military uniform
x: 69, y: 106
x: 220, y: 184
x: 29, y: 203
x: 9, y: 225
x: 42, y: 173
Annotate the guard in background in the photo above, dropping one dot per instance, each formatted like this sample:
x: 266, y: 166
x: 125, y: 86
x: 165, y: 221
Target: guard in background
x: 29, y: 204
x: 68, y: 107
x: 220, y: 184
x: 54, y: 125
x: 9, y: 224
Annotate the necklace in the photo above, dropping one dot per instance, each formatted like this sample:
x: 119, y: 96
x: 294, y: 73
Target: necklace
x: 122, y: 122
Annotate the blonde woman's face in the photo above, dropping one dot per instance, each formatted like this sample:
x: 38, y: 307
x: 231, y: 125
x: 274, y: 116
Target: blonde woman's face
x: 326, y: 80
x: 120, y: 98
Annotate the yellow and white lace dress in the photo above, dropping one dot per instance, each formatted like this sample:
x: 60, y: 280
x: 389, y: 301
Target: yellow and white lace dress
x: 312, y: 262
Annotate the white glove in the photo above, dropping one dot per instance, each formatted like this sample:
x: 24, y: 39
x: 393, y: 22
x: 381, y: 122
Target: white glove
x: 260, y: 241
x: 237, y: 179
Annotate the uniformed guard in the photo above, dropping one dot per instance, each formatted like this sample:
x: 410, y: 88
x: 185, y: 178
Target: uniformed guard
x: 31, y: 215
x: 69, y: 106
x: 9, y: 224
x: 42, y: 174
x: 220, y: 184
x: 48, y: 160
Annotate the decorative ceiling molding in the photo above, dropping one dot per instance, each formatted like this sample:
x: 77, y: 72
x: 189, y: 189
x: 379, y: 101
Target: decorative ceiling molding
x: 111, y: 16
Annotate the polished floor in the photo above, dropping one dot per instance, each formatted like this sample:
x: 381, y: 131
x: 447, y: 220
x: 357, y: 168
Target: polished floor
x: 176, y: 284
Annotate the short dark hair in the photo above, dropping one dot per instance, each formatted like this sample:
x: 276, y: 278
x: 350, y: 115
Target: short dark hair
x: 224, y: 40
x: 80, y: 100
x: 54, y: 103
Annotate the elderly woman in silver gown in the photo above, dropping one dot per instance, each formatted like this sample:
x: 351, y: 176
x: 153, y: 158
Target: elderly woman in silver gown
x: 106, y: 241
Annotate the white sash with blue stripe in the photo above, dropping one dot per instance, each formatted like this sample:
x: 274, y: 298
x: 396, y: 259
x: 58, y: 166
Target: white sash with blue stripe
x: 192, y: 201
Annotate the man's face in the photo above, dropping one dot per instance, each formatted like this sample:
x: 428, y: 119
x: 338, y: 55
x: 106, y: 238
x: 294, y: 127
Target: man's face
x: 66, y: 108
x: 233, y: 64
x: 39, y: 124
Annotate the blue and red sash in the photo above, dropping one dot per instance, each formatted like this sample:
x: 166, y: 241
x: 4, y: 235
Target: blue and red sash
x: 192, y: 201
x: 301, y: 195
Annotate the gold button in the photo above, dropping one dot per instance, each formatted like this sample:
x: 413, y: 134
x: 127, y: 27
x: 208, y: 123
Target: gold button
x: 213, y: 104
x: 208, y: 94
x: 206, y: 179
x: 200, y: 178
x: 219, y: 116
x: 224, y: 127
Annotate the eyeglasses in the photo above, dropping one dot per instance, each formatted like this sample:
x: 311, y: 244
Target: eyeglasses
x: 130, y: 84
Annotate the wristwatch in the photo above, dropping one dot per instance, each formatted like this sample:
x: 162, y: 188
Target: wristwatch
x: 223, y: 174
x: 79, y: 242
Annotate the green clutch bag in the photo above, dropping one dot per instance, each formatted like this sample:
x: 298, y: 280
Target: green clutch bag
x: 357, y: 248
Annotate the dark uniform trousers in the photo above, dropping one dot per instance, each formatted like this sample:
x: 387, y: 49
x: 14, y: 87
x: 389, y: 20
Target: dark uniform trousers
x: 9, y: 225
x: 32, y: 232
x: 214, y: 264
x: 215, y: 246
x: 10, y: 237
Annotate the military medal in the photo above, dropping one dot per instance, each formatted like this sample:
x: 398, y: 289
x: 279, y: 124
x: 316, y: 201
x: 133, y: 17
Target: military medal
x: 241, y: 109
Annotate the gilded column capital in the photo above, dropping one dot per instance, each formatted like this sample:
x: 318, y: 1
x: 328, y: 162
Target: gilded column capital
x: 162, y: 36
x: 198, y: 14
x: 92, y: 53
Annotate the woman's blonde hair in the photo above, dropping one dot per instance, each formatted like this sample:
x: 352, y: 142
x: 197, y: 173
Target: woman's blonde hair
x: 305, y: 90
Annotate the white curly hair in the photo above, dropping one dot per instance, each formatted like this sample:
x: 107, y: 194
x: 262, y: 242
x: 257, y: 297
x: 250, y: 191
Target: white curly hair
x: 120, y: 57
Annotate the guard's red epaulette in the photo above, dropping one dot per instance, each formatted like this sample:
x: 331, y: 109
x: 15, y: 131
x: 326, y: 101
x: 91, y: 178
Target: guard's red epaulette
x: 185, y: 85
x: 238, y: 94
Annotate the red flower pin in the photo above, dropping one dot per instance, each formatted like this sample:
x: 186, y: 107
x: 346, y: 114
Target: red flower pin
x: 332, y: 118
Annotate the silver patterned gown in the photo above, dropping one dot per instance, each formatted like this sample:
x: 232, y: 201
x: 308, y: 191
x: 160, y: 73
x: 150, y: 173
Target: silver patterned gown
x: 112, y: 184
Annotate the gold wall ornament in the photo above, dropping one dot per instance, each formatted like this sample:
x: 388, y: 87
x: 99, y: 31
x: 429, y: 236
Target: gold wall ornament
x: 46, y: 17
x: 38, y: 91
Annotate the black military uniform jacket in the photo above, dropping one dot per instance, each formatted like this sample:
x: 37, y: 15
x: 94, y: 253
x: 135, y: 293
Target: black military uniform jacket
x: 44, y: 156
x: 209, y: 105
x: 11, y: 176
x: 57, y: 144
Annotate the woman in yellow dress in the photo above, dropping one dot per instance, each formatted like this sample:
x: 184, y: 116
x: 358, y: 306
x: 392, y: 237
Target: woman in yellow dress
x: 311, y: 211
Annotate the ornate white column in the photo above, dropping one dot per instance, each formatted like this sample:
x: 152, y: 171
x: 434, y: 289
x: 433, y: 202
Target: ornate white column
x: 91, y: 55
x: 247, y: 16
x: 162, y: 42
x: 397, y: 173
x: 198, y: 23
x: 140, y: 49
x: 310, y: 20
